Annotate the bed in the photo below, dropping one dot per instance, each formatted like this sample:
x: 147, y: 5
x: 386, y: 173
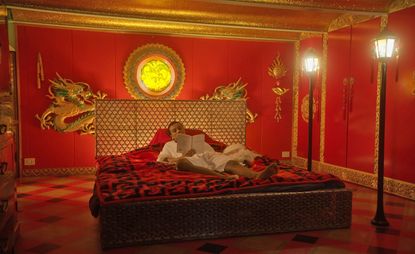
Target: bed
x: 140, y: 201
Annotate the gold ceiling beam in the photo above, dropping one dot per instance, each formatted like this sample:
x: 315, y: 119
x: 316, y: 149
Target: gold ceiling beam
x: 198, y: 12
x: 94, y: 22
x: 356, y: 7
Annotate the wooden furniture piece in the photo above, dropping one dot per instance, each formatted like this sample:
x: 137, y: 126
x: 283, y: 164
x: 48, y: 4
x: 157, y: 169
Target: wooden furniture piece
x: 124, y: 125
x: 9, y: 226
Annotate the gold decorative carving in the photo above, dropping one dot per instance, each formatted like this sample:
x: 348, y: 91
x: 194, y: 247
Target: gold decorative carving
x: 153, y: 26
x: 347, y: 20
x: 296, y: 78
x: 154, y: 71
x: 305, y: 35
x: 73, y: 107
x: 39, y: 67
x: 279, y: 91
x: 233, y: 91
x: 413, y: 83
x: 398, y: 5
x: 383, y: 22
x: 277, y: 70
x: 304, y: 108
x: 393, y: 186
x: 323, y: 96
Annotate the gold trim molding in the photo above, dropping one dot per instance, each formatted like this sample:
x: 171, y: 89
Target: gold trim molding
x: 296, y: 80
x: 347, y: 20
x: 58, y: 171
x: 398, y: 5
x: 3, y: 11
x: 323, y: 96
x: 391, y: 186
x: 137, y: 25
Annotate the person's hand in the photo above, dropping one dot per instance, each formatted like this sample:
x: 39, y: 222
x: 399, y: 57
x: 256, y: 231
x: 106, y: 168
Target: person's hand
x: 190, y: 153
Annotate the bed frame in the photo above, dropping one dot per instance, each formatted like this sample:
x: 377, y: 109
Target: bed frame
x: 123, y: 125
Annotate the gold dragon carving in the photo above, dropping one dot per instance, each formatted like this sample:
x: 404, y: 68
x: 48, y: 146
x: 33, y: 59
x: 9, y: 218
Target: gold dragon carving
x: 277, y: 70
x: 73, y: 107
x: 233, y: 91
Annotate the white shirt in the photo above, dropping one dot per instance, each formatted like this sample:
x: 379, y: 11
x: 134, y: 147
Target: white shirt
x: 170, y: 151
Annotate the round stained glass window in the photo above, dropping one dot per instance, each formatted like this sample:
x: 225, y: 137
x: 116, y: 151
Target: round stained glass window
x: 154, y: 71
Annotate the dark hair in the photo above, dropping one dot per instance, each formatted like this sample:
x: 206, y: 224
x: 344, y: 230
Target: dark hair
x: 170, y: 124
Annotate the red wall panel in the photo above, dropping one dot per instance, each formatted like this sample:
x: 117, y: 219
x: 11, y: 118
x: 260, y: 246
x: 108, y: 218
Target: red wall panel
x: 98, y: 59
x: 400, y: 101
x: 51, y: 149
x: 362, y: 103
x: 351, y: 97
x: 335, y: 145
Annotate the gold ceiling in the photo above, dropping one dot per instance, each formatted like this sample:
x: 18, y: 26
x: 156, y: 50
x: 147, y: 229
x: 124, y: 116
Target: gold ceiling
x: 280, y: 20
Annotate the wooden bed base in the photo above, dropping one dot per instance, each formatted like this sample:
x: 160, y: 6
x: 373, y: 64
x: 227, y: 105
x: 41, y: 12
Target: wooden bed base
x: 223, y: 216
x: 124, y: 125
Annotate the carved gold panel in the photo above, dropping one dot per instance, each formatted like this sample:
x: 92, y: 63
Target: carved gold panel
x: 154, y: 71
x: 233, y: 91
x: 72, y: 108
x: 277, y: 70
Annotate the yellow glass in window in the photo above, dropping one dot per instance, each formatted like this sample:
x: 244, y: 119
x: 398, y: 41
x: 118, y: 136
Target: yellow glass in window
x: 156, y: 75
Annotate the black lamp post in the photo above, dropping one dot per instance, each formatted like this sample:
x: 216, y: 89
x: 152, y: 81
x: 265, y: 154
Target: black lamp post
x: 384, y: 46
x: 311, y: 66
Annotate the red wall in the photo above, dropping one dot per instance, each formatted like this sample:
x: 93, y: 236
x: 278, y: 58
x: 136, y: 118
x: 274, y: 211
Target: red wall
x: 98, y: 58
x: 351, y: 105
x: 400, y: 101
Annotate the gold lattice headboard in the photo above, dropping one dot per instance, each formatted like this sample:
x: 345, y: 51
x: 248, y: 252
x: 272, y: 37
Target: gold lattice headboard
x: 124, y: 125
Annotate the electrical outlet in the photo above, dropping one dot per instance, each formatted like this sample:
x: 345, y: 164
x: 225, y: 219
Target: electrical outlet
x: 285, y: 154
x: 29, y: 161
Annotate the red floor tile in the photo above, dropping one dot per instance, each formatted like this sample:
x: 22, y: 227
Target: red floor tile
x: 55, y: 218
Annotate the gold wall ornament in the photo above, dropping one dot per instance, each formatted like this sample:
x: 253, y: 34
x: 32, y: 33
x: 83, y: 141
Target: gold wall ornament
x: 39, y: 67
x: 277, y: 70
x: 233, y: 91
x: 154, y: 71
x: 413, y: 83
x: 279, y: 91
x: 73, y: 107
x: 304, y: 108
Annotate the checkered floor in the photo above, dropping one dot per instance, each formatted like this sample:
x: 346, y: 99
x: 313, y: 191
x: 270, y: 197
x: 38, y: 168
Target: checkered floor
x: 55, y: 218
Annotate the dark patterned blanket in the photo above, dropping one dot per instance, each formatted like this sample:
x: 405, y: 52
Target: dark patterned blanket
x: 137, y: 176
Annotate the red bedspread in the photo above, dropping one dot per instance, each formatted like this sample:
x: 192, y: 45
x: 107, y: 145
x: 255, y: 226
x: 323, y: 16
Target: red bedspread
x: 136, y: 176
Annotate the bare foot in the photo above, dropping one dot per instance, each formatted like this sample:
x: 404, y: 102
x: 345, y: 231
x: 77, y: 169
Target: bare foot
x: 268, y: 171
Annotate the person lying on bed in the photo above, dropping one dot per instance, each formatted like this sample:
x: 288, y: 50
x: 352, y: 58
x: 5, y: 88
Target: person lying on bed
x: 208, y: 162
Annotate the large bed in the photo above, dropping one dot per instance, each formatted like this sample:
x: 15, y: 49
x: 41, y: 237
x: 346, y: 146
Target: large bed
x: 141, y: 201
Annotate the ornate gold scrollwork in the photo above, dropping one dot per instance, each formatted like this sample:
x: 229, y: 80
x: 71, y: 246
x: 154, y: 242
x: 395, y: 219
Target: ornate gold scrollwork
x: 154, y: 71
x: 73, y: 107
x: 40, y: 77
x: 233, y: 91
x: 413, y: 83
x: 304, y: 108
x: 277, y: 70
